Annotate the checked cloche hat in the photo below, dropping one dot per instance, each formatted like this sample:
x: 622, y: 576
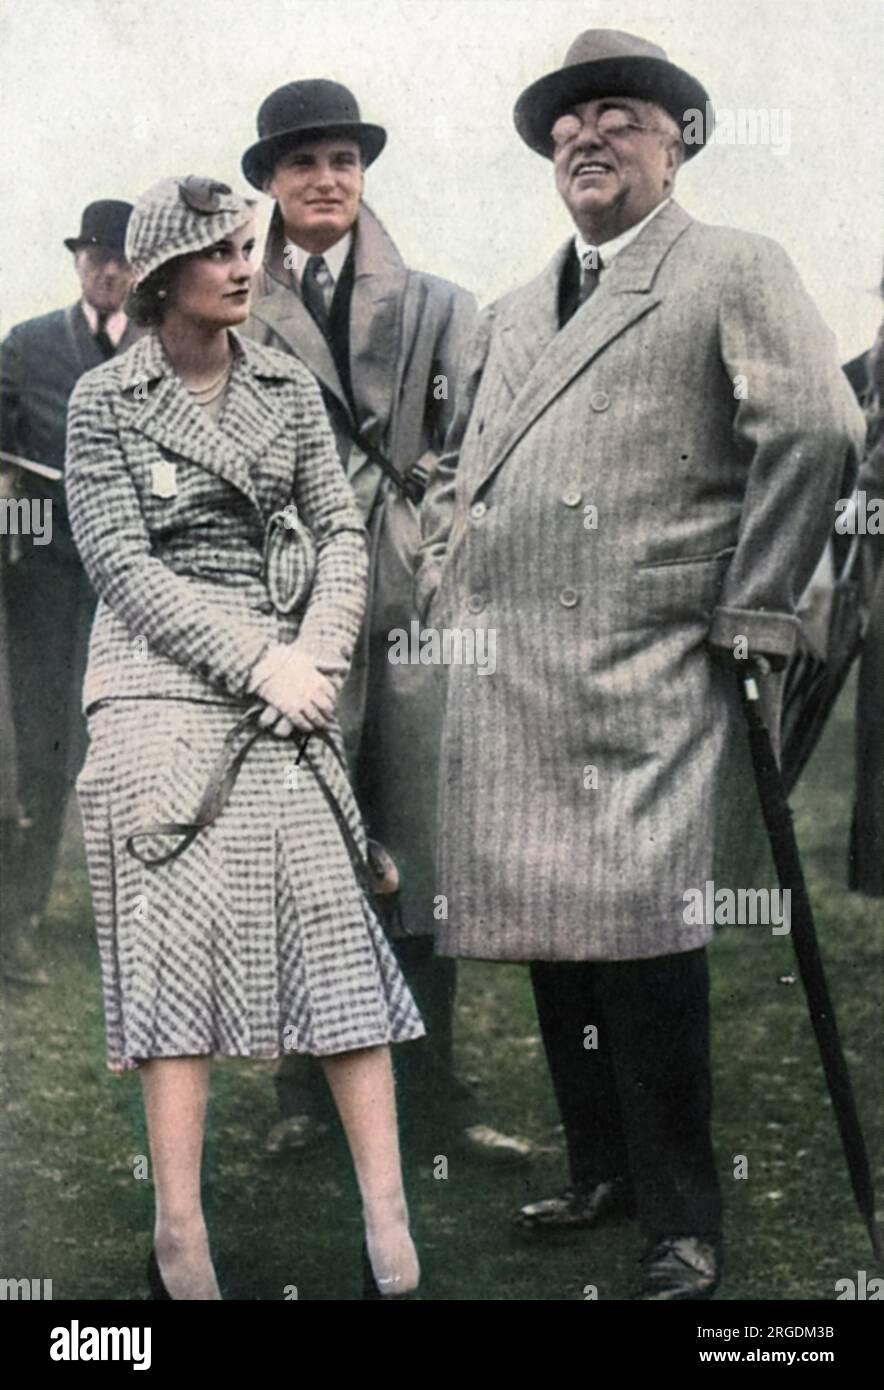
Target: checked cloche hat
x: 609, y: 62
x: 178, y: 216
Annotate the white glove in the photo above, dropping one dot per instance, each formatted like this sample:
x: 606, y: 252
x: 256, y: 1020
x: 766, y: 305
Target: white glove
x: 291, y: 684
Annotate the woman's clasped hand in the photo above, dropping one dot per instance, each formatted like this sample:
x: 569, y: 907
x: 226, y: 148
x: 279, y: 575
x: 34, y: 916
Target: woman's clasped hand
x: 297, y: 695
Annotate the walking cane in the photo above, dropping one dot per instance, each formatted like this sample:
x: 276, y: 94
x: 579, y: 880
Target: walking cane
x: 781, y: 832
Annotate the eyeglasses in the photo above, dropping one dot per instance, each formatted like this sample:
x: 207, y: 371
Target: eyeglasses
x: 207, y: 195
x: 609, y: 123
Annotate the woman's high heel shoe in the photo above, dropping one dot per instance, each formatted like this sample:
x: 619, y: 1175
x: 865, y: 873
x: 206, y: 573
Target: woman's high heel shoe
x: 158, y: 1290
x: 370, y: 1288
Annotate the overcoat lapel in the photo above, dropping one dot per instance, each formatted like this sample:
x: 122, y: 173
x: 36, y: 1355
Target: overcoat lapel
x: 376, y: 326
x: 86, y: 351
x: 539, y: 360
x: 285, y: 313
x: 249, y: 422
x: 292, y: 321
x: 380, y: 281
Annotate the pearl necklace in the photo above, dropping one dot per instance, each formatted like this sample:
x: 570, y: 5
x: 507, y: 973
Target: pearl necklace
x: 205, y: 395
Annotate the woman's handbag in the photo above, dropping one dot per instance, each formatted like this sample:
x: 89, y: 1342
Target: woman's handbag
x: 289, y: 560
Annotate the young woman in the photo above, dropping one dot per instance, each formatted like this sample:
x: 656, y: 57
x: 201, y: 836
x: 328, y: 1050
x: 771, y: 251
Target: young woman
x: 214, y: 520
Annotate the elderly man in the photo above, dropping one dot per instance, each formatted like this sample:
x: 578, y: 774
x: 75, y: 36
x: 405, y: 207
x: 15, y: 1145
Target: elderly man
x: 49, y: 602
x: 384, y: 342
x: 649, y: 442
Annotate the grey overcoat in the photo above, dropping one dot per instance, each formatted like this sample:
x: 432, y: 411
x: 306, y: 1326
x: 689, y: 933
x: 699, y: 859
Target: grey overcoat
x: 408, y: 331
x: 660, y: 472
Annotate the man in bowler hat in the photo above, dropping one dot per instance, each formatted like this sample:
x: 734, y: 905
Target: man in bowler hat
x: 384, y: 342
x: 649, y: 443
x: 49, y: 601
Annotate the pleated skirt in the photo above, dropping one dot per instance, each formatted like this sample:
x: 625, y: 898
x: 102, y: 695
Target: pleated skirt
x: 257, y: 940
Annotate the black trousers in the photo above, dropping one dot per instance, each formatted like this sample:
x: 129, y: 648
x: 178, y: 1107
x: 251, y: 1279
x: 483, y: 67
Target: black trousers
x: 50, y: 606
x: 637, y: 1106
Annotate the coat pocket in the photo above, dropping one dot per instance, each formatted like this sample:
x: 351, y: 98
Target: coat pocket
x: 680, y: 589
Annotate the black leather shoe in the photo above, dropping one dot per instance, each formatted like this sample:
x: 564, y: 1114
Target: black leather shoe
x: 158, y: 1290
x: 578, y: 1208
x: 679, y: 1268
x: 370, y: 1289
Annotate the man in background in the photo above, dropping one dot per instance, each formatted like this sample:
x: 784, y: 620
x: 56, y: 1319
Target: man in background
x: 48, y: 600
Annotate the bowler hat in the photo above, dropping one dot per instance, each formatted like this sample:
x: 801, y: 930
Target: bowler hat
x: 301, y: 110
x: 102, y: 224
x: 609, y: 63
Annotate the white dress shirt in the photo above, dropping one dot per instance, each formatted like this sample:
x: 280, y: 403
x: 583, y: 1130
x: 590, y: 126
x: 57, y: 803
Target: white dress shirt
x: 114, y: 327
x: 334, y: 257
x: 608, y: 250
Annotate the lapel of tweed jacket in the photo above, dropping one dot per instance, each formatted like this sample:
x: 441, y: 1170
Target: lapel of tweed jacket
x: 250, y: 420
x: 279, y: 306
x: 86, y: 351
x: 539, y: 360
x: 376, y: 325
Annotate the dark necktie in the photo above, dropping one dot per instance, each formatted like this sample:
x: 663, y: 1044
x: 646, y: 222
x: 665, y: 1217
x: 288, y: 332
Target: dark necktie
x: 105, y: 345
x: 580, y: 283
x: 316, y: 281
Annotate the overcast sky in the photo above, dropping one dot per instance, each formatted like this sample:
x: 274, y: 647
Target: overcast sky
x: 102, y: 97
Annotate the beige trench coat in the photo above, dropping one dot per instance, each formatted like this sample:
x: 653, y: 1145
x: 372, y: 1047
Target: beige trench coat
x: 408, y: 331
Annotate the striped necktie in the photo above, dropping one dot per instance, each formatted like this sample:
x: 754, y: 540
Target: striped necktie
x: 317, y: 288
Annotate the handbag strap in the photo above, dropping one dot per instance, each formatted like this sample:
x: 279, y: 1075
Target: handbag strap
x: 220, y: 784
x: 357, y: 858
x: 217, y: 791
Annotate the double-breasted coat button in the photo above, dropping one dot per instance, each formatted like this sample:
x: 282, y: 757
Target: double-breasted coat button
x: 569, y: 598
x: 572, y: 497
x: 478, y: 510
x: 476, y: 603
x: 600, y: 400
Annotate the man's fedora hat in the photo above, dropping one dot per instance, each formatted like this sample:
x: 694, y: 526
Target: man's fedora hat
x: 102, y: 224
x: 610, y: 63
x: 303, y: 110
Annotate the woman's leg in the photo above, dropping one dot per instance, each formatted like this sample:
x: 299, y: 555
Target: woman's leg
x: 362, y: 1085
x: 176, y: 1091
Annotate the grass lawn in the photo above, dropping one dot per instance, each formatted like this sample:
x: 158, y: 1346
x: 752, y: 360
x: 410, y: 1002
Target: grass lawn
x: 73, y: 1210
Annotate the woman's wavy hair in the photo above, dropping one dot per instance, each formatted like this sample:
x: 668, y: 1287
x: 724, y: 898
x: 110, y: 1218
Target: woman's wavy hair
x: 146, y: 302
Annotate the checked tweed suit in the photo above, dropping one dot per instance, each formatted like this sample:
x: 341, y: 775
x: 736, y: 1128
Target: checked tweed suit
x: 258, y: 938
